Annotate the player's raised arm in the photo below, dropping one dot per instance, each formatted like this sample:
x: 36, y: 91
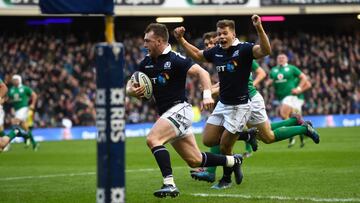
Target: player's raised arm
x: 264, y: 48
x: 192, y: 51
x: 204, y: 77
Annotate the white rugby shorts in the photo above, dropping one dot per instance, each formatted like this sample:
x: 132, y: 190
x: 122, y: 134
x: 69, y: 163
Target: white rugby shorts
x: 22, y: 113
x: 232, y: 117
x: 294, y: 102
x: 2, y: 115
x: 258, y: 110
x: 180, y: 117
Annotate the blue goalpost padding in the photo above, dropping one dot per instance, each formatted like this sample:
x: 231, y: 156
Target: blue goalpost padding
x: 110, y: 122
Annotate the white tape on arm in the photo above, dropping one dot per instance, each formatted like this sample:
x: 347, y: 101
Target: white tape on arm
x: 207, y: 94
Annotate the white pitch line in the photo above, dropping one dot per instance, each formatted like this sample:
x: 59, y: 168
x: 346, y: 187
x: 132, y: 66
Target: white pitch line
x: 77, y: 174
x: 48, y: 176
x: 284, y: 198
x: 151, y: 169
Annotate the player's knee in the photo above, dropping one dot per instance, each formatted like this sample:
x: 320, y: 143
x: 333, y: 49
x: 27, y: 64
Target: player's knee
x: 267, y: 140
x: 209, y: 142
x: 268, y: 137
x: 2, y: 144
x: 151, y: 141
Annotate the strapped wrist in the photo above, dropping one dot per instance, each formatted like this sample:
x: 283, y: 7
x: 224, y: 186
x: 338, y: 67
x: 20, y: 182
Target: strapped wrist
x: 207, y: 94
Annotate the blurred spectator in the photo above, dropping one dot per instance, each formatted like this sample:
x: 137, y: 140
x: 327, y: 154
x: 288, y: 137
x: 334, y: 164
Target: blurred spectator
x: 61, y: 70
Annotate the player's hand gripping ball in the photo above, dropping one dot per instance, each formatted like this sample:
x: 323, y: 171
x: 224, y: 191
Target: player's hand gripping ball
x: 144, y: 81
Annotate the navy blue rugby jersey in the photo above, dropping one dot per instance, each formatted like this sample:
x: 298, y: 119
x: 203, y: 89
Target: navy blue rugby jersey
x: 233, y: 66
x: 168, y: 76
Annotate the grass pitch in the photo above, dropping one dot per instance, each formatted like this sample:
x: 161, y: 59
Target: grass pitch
x: 66, y: 172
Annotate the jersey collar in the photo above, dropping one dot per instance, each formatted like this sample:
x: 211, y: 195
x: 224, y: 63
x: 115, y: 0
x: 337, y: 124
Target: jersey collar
x: 285, y: 65
x: 235, y: 42
x: 166, y: 50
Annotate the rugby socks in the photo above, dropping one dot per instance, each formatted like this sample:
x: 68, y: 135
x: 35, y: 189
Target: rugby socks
x: 288, y: 132
x: 33, y: 142
x: 248, y: 147
x: 210, y: 159
x: 244, y: 135
x: 302, y: 138
x: 214, y: 150
x: 227, y: 174
x: 169, y: 180
x: 162, y: 157
x: 2, y: 133
x: 284, y: 123
x: 12, y: 134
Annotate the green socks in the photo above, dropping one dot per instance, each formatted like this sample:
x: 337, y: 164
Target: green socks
x: 283, y: 123
x: 288, y: 132
x: 248, y: 147
x: 33, y: 142
x: 11, y: 134
x: 214, y: 150
x: 2, y: 133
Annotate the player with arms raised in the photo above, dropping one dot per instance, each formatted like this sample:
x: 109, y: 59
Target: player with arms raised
x: 168, y: 72
x: 233, y: 60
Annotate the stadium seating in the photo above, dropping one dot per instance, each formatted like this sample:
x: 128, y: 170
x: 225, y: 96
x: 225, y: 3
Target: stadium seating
x: 61, y: 71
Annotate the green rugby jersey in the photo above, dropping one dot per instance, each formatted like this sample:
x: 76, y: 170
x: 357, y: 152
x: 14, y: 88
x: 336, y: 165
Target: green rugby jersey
x: 285, y: 78
x: 300, y: 96
x: 19, y: 96
x: 251, y: 87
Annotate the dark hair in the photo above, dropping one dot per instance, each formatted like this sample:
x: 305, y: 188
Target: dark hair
x: 209, y: 35
x: 159, y: 30
x: 226, y: 23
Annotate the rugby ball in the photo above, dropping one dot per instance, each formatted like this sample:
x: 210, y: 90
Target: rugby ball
x: 143, y: 80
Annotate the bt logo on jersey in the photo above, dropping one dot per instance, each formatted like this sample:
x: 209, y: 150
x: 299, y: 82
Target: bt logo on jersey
x: 161, y: 79
x: 230, y: 67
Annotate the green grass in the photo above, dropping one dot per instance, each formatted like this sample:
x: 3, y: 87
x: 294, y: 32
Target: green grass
x: 330, y: 170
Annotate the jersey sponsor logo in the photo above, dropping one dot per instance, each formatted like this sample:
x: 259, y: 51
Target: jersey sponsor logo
x: 149, y: 66
x: 167, y: 65
x: 287, y: 69
x: 162, y: 79
x: 229, y: 67
x: 280, y: 78
x: 220, y: 68
x: 219, y: 55
x: 16, y: 97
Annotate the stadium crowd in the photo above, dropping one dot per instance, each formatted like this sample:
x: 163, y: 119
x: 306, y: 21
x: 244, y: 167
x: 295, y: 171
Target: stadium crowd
x: 62, y: 72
